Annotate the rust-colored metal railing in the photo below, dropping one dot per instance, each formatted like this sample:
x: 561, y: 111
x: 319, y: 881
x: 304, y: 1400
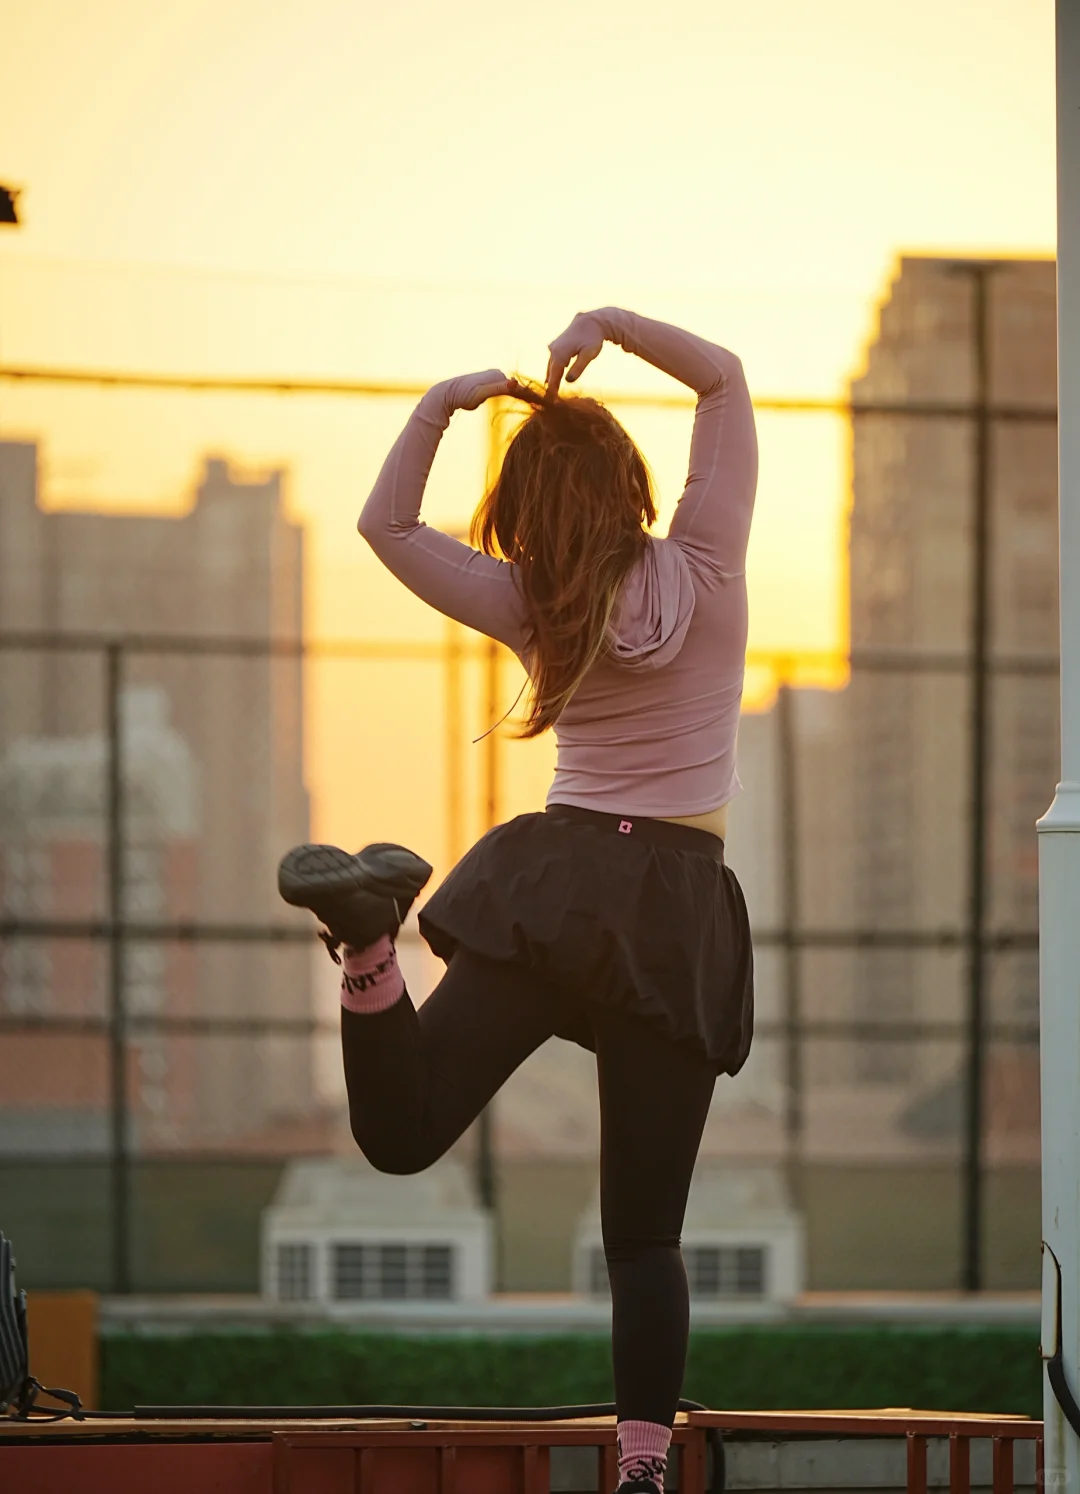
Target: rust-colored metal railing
x: 917, y: 1427
x: 457, y: 1457
x: 338, y: 1455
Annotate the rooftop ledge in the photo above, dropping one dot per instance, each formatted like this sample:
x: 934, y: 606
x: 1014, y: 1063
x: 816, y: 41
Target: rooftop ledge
x: 546, y: 1313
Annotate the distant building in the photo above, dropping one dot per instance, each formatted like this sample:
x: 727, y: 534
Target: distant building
x: 214, y: 789
x: 911, y: 557
x: 881, y: 769
x: 52, y: 808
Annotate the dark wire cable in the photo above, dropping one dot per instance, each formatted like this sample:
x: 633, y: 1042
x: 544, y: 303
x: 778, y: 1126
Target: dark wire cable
x: 1055, y: 1364
x: 368, y: 1413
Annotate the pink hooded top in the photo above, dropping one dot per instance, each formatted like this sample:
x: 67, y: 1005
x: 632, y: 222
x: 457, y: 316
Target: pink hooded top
x: 651, y: 728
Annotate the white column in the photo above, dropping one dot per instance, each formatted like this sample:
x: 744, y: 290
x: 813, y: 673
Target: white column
x: 1059, y: 829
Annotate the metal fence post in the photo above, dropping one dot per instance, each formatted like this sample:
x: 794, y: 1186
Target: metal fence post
x: 487, y: 1182
x: 455, y: 829
x: 492, y: 785
x: 119, y: 1160
x: 789, y: 919
x: 979, y: 760
x: 486, y: 1174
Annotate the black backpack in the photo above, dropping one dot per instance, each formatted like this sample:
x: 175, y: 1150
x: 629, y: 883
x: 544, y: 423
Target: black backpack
x: 18, y: 1388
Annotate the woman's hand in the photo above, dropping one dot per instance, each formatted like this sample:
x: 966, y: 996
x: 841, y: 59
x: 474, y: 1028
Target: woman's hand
x: 580, y: 343
x: 469, y: 391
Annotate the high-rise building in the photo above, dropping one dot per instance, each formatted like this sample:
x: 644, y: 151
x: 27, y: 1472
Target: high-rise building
x: 879, y: 775
x: 212, y: 750
x: 912, y: 551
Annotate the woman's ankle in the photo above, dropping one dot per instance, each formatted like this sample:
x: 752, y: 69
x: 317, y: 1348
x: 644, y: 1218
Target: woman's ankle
x: 643, y: 1450
x: 371, y: 980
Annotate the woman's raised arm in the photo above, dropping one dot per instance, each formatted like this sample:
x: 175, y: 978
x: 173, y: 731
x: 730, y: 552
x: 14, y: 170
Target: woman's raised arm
x: 475, y: 589
x: 712, y: 521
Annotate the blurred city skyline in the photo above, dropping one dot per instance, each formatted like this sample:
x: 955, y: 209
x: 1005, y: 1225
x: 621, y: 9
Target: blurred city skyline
x: 382, y: 194
x: 388, y: 195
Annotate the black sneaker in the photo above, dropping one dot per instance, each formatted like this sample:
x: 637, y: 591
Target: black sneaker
x: 358, y: 897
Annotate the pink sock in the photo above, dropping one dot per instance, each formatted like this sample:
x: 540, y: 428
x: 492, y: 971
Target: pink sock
x: 643, y: 1450
x: 371, y: 980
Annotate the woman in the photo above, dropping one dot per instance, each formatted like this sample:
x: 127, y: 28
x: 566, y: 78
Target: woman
x: 609, y: 918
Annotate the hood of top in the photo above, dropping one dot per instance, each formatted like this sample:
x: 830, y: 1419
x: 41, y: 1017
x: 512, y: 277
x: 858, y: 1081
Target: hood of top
x: 654, y: 608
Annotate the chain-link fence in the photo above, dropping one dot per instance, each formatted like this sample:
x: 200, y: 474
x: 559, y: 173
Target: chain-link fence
x: 169, y: 1029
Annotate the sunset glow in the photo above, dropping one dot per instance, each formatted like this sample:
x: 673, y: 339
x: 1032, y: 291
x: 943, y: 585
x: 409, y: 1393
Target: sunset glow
x: 405, y: 192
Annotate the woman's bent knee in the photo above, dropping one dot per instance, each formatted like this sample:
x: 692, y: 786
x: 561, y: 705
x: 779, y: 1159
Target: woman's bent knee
x: 391, y: 1155
x: 398, y: 1156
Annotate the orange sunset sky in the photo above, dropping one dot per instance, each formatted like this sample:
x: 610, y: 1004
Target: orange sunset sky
x: 413, y: 189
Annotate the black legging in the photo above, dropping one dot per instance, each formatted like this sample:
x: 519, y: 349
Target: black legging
x: 416, y: 1080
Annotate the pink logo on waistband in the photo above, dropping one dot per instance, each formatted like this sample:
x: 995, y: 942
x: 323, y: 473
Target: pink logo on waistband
x: 625, y: 827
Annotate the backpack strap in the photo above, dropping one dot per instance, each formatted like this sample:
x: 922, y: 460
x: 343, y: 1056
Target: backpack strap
x: 19, y: 1391
x: 26, y: 1407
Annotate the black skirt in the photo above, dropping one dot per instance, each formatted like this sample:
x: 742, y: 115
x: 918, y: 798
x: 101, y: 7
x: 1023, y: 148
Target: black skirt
x: 647, y: 919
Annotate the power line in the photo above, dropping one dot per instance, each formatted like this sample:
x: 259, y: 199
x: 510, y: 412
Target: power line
x: 213, y: 383
x: 348, y: 387
x: 407, y: 389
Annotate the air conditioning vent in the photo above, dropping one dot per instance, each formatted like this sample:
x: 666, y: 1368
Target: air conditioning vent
x: 392, y: 1272
x: 726, y: 1270
x: 340, y: 1235
x: 742, y: 1243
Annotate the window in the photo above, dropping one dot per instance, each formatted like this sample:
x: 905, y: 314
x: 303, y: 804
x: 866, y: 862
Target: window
x: 25, y: 976
x: 392, y: 1272
x: 25, y: 964
x: 294, y: 1273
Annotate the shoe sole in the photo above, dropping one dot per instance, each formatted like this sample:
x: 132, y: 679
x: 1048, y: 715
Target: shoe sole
x: 385, y: 869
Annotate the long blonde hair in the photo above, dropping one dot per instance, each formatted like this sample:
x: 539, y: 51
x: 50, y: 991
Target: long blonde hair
x: 569, y: 507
